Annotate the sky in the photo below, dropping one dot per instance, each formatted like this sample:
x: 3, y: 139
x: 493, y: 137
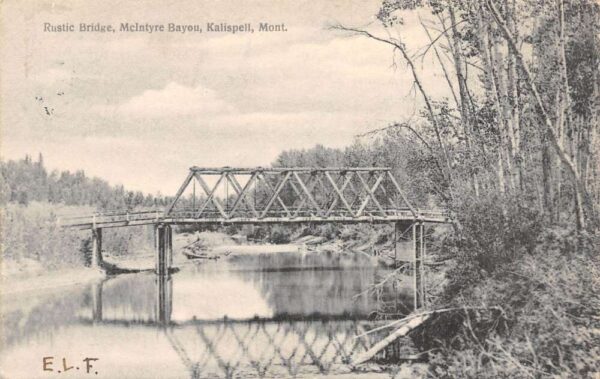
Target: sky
x: 139, y: 109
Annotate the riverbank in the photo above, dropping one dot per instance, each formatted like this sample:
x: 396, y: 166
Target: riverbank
x: 19, y: 286
x: 217, y: 245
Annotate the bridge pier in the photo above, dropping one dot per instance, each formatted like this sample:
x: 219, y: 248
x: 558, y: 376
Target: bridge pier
x: 96, y: 247
x: 97, y: 302
x: 164, y: 299
x: 401, y: 229
x: 397, y: 234
x: 163, y: 243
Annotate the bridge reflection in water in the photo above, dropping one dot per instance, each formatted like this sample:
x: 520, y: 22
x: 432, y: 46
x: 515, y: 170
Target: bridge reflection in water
x: 255, y: 347
x: 268, y: 348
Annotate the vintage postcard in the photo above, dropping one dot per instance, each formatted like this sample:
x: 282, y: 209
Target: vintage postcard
x: 299, y: 189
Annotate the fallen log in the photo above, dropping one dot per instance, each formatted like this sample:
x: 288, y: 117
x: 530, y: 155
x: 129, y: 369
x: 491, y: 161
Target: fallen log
x: 400, y: 332
x: 428, y: 313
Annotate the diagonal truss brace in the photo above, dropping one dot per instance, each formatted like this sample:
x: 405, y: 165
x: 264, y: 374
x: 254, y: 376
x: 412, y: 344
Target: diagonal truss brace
x: 308, y: 193
x: 275, y: 195
x: 325, y: 189
x: 211, y: 195
x: 242, y: 193
x: 182, y: 188
x: 370, y: 193
x: 340, y: 193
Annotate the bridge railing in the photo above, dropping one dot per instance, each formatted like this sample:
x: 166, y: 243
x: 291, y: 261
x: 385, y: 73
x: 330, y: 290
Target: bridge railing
x: 112, y: 217
x: 191, y: 216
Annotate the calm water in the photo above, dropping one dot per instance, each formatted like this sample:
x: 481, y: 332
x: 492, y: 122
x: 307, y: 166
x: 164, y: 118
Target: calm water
x: 209, y: 320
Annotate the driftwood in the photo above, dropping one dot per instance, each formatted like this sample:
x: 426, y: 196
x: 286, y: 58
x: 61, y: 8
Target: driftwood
x: 202, y: 255
x: 407, y: 324
x: 400, y: 332
x: 428, y: 313
x: 191, y: 243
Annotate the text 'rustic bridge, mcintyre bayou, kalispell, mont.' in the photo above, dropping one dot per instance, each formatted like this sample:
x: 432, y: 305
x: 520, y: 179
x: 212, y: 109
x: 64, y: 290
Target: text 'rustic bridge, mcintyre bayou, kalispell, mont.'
x: 277, y: 196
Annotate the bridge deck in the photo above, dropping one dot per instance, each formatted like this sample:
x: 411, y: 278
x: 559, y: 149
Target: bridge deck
x: 149, y: 217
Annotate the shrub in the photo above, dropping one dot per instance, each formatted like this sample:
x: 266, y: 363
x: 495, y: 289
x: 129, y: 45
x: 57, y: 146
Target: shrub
x: 495, y: 231
x: 279, y: 234
x: 258, y: 233
x: 549, y: 321
x: 128, y: 241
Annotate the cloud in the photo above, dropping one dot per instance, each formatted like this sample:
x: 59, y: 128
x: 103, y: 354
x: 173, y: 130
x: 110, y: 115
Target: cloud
x: 175, y: 100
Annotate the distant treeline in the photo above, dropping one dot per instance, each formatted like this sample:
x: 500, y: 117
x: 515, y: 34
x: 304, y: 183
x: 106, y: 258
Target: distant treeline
x: 25, y: 180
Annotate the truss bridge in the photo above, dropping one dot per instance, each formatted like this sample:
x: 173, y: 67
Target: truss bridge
x: 276, y: 195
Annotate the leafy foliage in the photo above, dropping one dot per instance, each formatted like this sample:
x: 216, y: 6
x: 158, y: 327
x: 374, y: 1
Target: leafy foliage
x: 514, y: 153
x: 30, y: 233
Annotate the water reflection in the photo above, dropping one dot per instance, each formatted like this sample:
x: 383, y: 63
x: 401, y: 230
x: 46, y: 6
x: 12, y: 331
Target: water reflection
x: 209, y: 293
x: 227, y: 348
x: 275, y: 349
x: 210, y: 320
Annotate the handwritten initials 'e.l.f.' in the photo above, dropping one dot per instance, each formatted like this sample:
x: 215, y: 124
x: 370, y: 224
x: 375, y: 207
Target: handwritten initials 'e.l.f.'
x: 48, y: 361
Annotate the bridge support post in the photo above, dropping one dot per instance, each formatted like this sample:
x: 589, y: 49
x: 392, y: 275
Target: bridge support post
x: 397, y: 234
x: 164, y: 299
x: 96, y: 247
x: 97, y: 302
x: 164, y: 248
x: 169, y: 235
x: 419, y: 253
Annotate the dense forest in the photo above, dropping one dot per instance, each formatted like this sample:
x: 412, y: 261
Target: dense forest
x: 26, y: 180
x: 523, y: 117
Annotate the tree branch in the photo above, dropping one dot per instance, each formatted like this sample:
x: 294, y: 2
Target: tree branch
x: 400, y: 46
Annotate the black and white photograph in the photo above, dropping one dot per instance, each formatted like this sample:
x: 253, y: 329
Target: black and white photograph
x: 324, y: 189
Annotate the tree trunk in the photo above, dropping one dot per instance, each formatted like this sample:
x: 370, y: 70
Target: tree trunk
x: 512, y: 93
x: 547, y: 122
x: 464, y: 98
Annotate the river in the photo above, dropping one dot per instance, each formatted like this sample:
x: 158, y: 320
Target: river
x: 258, y: 316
